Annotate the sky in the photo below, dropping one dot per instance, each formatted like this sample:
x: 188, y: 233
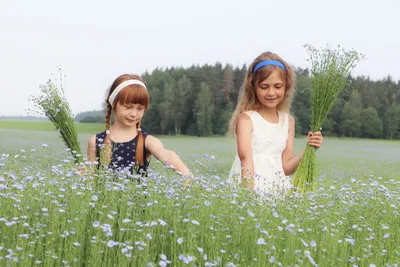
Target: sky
x: 96, y: 41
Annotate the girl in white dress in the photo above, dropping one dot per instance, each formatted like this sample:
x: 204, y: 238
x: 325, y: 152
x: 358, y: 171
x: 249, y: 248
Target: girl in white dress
x: 264, y: 130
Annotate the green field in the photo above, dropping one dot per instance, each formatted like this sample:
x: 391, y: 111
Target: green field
x: 47, y: 126
x: 343, y: 156
x: 52, y: 216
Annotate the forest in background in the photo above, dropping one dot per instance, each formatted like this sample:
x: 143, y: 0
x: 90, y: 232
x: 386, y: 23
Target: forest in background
x: 199, y: 100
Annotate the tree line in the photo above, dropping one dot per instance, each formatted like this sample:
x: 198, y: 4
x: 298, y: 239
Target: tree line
x: 199, y: 100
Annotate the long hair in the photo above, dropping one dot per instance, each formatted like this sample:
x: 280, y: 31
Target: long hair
x: 248, y: 100
x: 131, y: 94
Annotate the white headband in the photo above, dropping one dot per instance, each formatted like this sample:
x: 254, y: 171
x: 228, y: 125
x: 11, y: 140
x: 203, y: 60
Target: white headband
x: 122, y: 86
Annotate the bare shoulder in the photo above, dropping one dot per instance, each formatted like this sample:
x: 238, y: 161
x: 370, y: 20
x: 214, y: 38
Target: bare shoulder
x: 291, y: 120
x: 244, y: 116
x: 244, y: 120
x: 244, y: 123
x: 152, y: 141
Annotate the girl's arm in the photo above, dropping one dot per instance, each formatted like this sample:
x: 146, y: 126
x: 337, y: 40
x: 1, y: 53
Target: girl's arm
x: 91, y: 156
x: 243, y: 129
x: 290, y: 162
x: 91, y: 149
x: 168, y: 157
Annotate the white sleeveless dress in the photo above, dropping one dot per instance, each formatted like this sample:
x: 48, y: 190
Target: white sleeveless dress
x: 268, y: 143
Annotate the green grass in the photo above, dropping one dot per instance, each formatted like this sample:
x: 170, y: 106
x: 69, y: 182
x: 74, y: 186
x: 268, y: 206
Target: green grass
x: 52, y: 216
x: 48, y: 126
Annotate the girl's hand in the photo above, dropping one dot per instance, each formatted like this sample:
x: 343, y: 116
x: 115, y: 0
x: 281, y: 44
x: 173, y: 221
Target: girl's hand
x: 188, y: 181
x: 248, y: 181
x: 315, y: 139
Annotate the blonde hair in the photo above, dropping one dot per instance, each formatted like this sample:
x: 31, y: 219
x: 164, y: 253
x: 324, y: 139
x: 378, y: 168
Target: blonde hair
x: 131, y: 94
x: 247, y: 95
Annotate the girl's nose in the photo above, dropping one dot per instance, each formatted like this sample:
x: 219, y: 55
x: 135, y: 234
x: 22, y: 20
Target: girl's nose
x: 133, y: 113
x: 270, y: 92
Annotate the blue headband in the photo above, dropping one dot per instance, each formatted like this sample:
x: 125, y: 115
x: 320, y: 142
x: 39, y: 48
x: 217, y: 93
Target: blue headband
x: 268, y: 62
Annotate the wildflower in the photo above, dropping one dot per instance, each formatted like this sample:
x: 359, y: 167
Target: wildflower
x: 112, y: 244
x: 386, y: 236
x: 304, y: 242
x: 186, y: 259
x: 170, y: 193
x: 164, y: 261
x: 163, y: 223
x: 351, y: 241
x: 272, y: 259
x: 261, y: 241
x: 385, y: 227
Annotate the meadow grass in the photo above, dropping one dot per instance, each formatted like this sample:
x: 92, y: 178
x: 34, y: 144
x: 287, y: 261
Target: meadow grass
x: 37, y: 125
x: 50, y: 215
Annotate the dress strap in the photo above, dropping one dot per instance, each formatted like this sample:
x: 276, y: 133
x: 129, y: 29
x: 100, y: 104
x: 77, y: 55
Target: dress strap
x: 251, y: 114
x: 284, y: 121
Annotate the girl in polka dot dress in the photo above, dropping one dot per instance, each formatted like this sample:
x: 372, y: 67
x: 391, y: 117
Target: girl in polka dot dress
x: 124, y: 145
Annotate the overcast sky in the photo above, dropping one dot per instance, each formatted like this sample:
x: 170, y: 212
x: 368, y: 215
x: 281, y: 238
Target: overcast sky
x: 95, y: 41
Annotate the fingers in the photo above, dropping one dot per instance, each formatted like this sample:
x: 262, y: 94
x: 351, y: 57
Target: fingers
x: 187, y: 183
x: 316, y: 145
x: 318, y: 133
x: 315, y: 139
x: 315, y: 142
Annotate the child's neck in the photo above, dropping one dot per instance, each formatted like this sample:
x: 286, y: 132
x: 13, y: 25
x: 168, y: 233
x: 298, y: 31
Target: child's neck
x: 268, y: 111
x: 121, y: 133
x: 270, y: 114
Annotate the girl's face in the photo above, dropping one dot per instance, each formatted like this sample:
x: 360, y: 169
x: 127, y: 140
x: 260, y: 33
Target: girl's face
x: 271, y: 91
x: 129, y: 114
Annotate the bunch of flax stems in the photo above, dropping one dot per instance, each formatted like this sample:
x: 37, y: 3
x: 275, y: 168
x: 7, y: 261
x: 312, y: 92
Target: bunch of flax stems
x: 52, y: 103
x: 330, y: 71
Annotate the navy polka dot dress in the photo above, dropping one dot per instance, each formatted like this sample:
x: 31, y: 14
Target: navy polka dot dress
x: 123, y: 155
